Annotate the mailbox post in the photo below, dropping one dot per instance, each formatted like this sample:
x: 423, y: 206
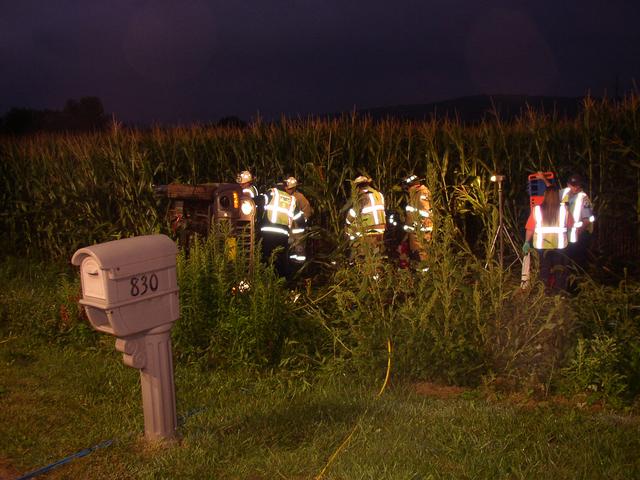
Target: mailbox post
x: 129, y: 290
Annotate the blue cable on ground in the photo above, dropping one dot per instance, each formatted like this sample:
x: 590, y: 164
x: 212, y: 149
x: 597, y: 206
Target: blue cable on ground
x: 82, y: 453
x: 51, y: 466
x: 182, y: 419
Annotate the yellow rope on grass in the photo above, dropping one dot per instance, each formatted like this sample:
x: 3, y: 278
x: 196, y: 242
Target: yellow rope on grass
x: 386, y: 378
x: 346, y: 441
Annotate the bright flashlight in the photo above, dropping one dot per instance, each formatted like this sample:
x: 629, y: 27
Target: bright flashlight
x: 246, y: 207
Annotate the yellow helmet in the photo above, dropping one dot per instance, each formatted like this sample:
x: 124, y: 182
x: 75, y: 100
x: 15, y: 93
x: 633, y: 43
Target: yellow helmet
x: 361, y: 180
x: 291, y: 182
x: 244, y: 177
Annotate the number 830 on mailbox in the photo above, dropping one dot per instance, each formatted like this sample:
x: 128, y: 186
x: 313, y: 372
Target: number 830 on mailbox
x: 129, y: 285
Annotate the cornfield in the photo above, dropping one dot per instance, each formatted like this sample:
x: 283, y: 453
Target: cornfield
x: 460, y: 324
x: 60, y: 192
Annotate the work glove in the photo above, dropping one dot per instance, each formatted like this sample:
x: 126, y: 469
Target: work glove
x: 526, y: 247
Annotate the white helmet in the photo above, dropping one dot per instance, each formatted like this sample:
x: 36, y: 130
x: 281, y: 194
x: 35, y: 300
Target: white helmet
x: 291, y: 182
x: 362, y: 179
x: 244, y: 177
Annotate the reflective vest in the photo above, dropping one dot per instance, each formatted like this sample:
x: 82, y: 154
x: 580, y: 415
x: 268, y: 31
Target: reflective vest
x: 550, y: 236
x: 418, y: 210
x: 279, y: 211
x: 577, y: 203
x: 368, y: 216
x: 250, y: 191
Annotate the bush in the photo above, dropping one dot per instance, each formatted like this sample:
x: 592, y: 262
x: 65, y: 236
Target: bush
x: 605, y: 359
x: 595, y: 369
x: 458, y: 322
x: 41, y: 301
x: 231, y: 312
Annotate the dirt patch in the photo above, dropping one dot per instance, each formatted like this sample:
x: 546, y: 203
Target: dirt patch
x: 438, y: 391
x: 7, y: 471
x: 518, y: 399
x: 528, y: 402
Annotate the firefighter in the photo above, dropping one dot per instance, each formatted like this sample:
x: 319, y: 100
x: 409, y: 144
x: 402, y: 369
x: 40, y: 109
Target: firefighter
x: 279, y: 210
x: 581, y: 211
x: 548, y: 226
x: 297, y: 250
x: 245, y: 180
x: 366, y: 221
x: 418, y: 224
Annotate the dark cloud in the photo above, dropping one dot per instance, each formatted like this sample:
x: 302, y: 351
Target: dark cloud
x: 199, y: 60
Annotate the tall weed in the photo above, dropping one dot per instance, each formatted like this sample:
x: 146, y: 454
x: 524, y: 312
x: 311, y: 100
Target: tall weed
x: 40, y: 300
x: 595, y: 369
x: 608, y: 315
x: 230, y: 314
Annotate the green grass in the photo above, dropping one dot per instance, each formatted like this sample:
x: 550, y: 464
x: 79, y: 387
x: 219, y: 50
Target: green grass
x: 63, y: 388
x: 58, y: 400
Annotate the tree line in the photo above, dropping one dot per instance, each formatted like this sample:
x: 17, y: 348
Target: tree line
x: 84, y: 115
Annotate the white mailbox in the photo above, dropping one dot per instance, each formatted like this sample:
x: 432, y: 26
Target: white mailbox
x: 129, y: 285
x: 130, y: 290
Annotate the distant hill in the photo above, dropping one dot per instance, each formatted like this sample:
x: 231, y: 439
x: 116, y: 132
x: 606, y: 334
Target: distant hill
x: 476, y: 108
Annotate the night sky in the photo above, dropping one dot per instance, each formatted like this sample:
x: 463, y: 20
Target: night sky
x: 197, y: 61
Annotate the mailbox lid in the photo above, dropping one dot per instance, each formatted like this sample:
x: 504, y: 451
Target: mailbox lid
x: 128, y: 256
x: 92, y: 278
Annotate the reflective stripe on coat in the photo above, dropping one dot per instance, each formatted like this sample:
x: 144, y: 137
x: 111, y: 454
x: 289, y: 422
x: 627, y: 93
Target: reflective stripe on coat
x: 546, y: 237
x: 368, y: 216
x: 580, y: 207
x: 279, y: 211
